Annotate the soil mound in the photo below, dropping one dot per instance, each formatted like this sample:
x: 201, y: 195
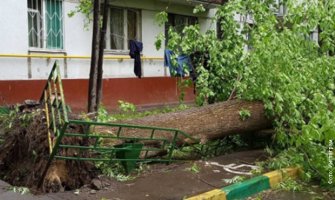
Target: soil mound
x: 25, y: 152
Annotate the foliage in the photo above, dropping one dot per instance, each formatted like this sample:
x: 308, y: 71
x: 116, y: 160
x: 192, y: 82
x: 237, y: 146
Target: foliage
x: 199, y: 9
x: 290, y: 184
x: 245, y: 114
x: 104, y: 116
x: 127, y: 111
x: 211, y: 149
x: 20, y: 190
x: 223, y: 146
x: 213, y: 82
x: 114, y: 170
x: 291, y: 74
x: 294, y: 79
x: 161, y: 18
x: 117, y: 171
x: 259, y: 170
x: 86, y: 8
x: 182, y: 85
x: 126, y: 106
x: 194, y: 168
x: 235, y: 179
x: 7, y: 119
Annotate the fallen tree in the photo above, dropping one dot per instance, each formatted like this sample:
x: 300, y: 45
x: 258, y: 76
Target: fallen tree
x: 205, y: 123
x: 28, y: 143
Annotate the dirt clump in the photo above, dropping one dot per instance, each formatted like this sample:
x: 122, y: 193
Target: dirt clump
x: 25, y: 152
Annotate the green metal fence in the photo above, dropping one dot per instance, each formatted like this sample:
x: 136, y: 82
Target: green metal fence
x: 113, y: 144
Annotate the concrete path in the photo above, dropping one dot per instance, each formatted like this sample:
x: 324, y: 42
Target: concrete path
x: 163, y: 182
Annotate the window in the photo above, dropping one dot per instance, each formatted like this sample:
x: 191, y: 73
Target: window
x: 250, y: 28
x: 280, y: 8
x: 219, y: 29
x: 45, y: 24
x: 124, y: 26
x: 178, y: 22
x: 313, y: 36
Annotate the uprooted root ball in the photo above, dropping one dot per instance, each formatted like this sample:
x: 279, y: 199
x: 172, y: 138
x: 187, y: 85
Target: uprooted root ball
x: 25, y: 152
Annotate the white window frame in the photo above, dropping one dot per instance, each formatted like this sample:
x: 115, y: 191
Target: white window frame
x: 37, y: 12
x: 44, y: 36
x: 188, y: 22
x: 280, y: 11
x: 125, y: 29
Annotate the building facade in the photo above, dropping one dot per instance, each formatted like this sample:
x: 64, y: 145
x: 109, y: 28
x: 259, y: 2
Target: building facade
x: 36, y: 33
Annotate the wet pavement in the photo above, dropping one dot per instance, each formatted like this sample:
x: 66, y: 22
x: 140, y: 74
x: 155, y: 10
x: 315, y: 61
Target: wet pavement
x: 160, y: 181
x: 291, y: 195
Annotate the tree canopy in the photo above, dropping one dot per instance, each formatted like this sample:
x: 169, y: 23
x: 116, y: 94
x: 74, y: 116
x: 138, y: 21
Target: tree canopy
x: 290, y: 73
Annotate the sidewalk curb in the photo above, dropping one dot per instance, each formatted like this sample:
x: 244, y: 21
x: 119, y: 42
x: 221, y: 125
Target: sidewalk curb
x: 248, y: 187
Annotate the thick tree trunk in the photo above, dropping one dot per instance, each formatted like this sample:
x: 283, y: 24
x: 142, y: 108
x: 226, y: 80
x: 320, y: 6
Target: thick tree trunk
x: 92, y: 88
x: 101, y: 53
x: 205, y: 123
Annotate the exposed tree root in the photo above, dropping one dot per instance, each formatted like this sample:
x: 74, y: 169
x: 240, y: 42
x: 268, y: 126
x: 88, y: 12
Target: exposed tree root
x: 24, y: 154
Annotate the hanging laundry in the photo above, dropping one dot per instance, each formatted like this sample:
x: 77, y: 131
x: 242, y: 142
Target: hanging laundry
x: 135, y: 48
x: 177, y: 67
x: 168, y: 54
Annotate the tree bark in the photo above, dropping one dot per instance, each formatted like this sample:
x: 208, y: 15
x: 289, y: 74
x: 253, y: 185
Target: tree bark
x: 205, y: 123
x: 92, y: 91
x: 101, y: 53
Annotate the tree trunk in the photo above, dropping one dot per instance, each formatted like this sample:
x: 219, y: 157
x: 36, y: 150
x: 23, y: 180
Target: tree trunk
x: 205, y: 123
x: 92, y: 88
x: 101, y: 53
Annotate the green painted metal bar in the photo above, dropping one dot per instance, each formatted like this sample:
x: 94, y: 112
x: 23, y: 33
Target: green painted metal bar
x: 53, y: 154
x: 164, y: 144
x: 119, y: 131
x: 113, y: 137
x: 53, y: 118
x: 107, y: 159
x: 152, y: 133
x: 60, y: 123
x: 143, y: 149
x: 172, y: 146
x: 103, y: 148
x: 123, y: 125
x: 60, y: 129
x: 49, y: 78
x: 4, y: 110
x: 56, y: 100
x: 151, y: 136
x: 97, y: 141
x: 133, y: 126
x: 62, y: 96
x: 146, y: 154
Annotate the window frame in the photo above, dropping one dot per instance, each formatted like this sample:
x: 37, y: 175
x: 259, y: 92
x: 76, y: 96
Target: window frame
x: 39, y: 43
x: 168, y: 24
x: 248, y: 36
x: 44, y: 37
x: 125, y: 10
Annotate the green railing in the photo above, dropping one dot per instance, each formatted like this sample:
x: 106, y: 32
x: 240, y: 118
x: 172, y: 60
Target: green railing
x: 117, y: 135
x: 55, y: 108
x: 107, y: 142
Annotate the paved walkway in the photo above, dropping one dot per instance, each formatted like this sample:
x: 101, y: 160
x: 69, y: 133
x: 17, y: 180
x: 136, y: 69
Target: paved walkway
x: 163, y: 182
